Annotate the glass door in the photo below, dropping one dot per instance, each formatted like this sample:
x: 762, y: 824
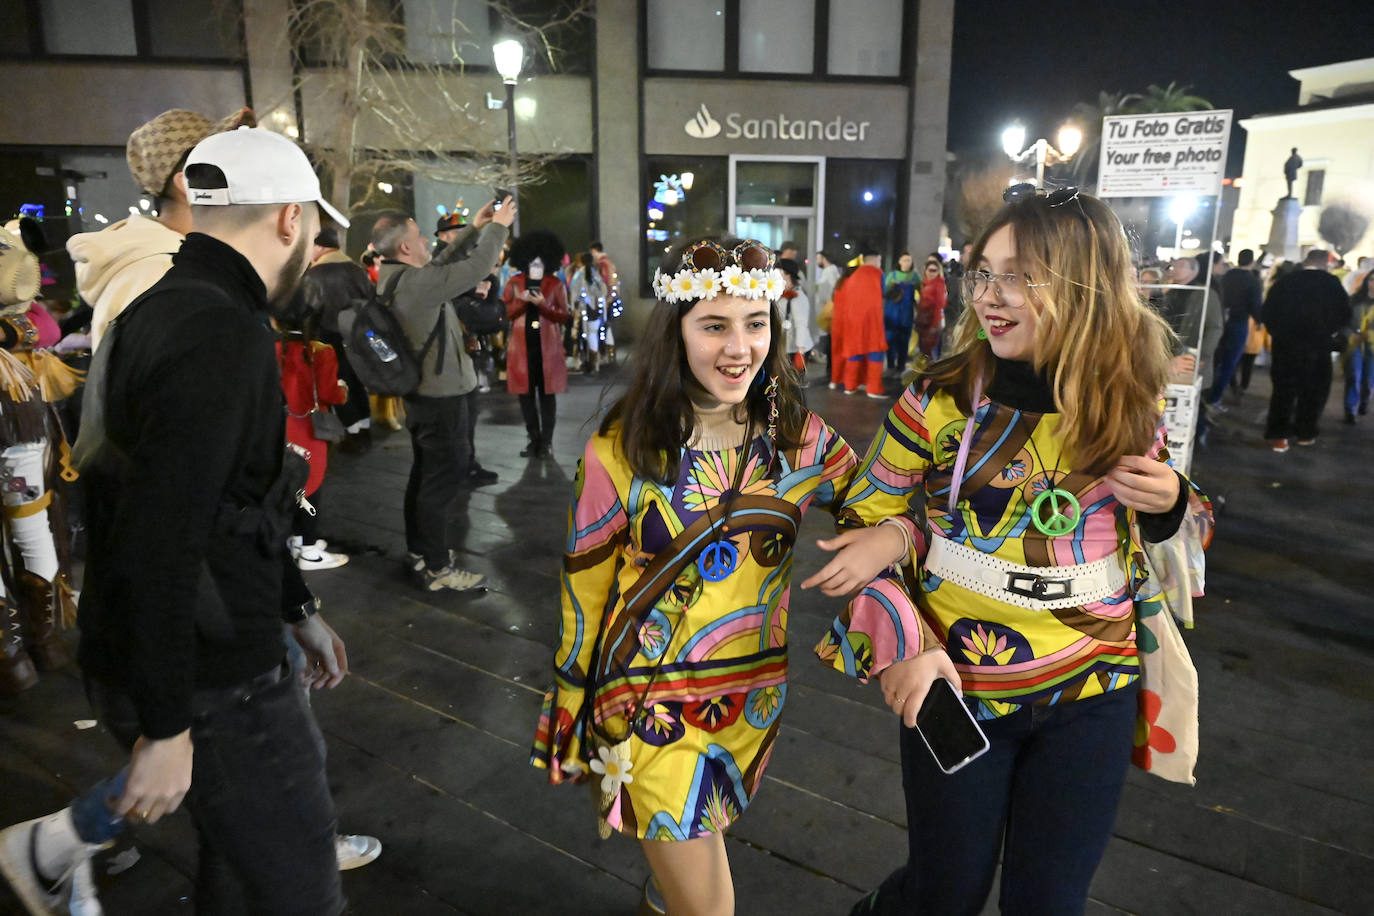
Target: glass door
x: 778, y: 199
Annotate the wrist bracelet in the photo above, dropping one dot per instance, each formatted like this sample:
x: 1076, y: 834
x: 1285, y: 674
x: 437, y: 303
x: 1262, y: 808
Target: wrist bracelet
x: 303, y: 612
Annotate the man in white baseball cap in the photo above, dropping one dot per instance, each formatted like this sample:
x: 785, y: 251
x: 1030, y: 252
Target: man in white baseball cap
x: 188, y: 579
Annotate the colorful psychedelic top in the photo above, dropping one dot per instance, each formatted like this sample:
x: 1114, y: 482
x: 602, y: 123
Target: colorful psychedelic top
x: 705, y: 659
x: 1006, y: 655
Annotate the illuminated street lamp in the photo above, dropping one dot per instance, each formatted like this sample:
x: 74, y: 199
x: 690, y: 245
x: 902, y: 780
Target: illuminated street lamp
x: 1180, y: 208
x: 1069, y: 138
x: 509, y: 56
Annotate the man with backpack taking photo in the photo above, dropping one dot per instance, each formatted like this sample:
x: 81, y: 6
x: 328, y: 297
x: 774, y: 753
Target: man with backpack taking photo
x: 420, y: 290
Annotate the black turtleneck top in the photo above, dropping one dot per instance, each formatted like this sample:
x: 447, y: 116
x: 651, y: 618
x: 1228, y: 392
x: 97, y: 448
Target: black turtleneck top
x: 1017, y: 385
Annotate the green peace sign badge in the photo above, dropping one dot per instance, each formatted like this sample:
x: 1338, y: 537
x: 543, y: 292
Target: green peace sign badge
x: 1058, y: 521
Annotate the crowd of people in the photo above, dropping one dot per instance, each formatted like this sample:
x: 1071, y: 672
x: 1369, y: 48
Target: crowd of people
x: 1033, y: 439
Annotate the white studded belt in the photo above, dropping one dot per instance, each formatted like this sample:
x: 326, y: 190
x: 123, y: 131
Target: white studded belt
x: 1039, y: 588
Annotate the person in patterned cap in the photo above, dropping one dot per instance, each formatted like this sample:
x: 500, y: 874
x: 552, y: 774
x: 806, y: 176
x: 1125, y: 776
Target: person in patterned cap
x: 116, y: 264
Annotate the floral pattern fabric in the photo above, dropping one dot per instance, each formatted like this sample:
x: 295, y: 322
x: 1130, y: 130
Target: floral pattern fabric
x: 707, y: 662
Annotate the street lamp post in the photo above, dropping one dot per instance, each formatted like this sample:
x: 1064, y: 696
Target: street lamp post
x: 509, y: 56
x: 1070, y: 138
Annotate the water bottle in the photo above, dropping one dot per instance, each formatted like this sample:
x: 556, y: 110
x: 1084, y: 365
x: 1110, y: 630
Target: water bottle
x: 380, y: 347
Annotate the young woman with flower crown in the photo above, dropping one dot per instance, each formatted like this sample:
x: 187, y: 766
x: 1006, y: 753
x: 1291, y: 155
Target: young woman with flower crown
x: 671, y: 672
x: 1037, y: 449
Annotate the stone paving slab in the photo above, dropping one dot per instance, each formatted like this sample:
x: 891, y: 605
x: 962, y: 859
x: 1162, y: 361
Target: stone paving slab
x: 429, y: 740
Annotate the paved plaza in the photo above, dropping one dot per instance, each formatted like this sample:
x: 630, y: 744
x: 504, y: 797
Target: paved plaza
x: 428, y: 740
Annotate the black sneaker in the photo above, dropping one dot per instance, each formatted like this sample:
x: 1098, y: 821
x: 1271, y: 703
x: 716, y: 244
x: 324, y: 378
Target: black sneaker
x: 480, y: 476
x: 531, y: 450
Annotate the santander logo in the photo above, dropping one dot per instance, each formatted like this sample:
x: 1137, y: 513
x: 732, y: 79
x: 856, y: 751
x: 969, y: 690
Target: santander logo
x: 702, y: 126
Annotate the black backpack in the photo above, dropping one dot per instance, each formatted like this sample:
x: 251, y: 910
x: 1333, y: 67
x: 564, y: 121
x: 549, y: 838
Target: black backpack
x: 378, y: 350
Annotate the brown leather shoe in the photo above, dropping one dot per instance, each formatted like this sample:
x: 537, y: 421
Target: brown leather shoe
x: 38, y: 601
x: 17, y: 673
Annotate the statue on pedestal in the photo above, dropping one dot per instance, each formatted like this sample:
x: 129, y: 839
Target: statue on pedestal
x: 1290, y: 169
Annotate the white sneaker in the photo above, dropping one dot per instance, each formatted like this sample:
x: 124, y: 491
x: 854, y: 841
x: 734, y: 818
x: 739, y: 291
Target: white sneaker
x: 459, y: 580
x: 72, y: 892
x: 355, y: 851
x: 314, y: 556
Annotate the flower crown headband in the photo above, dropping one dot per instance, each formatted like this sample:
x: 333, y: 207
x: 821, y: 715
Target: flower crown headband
x: 704, y: 274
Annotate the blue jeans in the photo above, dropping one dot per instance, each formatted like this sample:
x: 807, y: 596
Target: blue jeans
x: 1044, y: 795
x: 1358, y: 368
x: 1231, y: 349
x: 259, y: 798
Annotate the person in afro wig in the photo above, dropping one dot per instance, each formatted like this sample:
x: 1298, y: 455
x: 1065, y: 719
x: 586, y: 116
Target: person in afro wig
x: 537, y: 306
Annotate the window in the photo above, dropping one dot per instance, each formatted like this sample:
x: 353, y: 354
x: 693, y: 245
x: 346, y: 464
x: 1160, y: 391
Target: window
x: 777, y: 36
x: 1312, y: 197
x: 561, y: 203
x: 685, y: 200
x: 861, y: 206
x: 206, y: 29
x: 14, y: 31
x: 779, y: 184
x: 103, y: 27
x: 448, y: 32
x: 686, y: 35
x: 865, y: 38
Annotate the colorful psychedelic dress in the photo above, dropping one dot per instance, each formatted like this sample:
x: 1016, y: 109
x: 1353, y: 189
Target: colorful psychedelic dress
x: 704, y: 659
x: 1034, y: 644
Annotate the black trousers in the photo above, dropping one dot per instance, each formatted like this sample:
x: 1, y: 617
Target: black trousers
x: 259, y: 798
x: 1302, y: 383
x: 442, y: 458
x: 540, y: 411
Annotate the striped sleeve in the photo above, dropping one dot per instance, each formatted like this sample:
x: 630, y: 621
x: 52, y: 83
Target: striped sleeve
x: 881, y: 625
x: 596, y: 529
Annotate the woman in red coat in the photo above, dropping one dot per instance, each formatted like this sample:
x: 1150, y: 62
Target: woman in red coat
x: 537, y: 306
x: 310, y: 381
x: 930, y: 311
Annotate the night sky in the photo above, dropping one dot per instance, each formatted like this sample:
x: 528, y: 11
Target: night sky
x: 1034, y: 60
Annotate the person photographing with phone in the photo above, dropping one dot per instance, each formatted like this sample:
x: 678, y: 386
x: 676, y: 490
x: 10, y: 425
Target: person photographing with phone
x: 537, y: 305
x: 1037, y: 449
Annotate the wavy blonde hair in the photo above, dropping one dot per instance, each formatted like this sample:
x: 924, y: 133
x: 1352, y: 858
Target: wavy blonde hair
x: 1105, y: 351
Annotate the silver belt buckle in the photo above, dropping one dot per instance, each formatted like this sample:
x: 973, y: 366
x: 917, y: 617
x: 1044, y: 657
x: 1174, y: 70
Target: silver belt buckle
x: 534, y: 325
x: 1030, y: 585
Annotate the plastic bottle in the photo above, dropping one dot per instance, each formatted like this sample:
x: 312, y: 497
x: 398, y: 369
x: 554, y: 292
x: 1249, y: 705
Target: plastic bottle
x: 380, y: 347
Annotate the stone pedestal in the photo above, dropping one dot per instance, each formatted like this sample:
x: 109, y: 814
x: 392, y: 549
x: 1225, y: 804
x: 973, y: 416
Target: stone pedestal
x: 1283, y: 233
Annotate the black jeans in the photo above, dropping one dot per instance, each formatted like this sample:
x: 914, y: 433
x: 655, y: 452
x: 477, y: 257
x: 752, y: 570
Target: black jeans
x: 259, y: 798
x: 1044, y: 795
x: 540, y: 411
x: 441, y: 460
x: 1302, y: 383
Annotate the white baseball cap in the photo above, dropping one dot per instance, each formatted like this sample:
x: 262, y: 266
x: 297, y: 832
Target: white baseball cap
x: 261, y: 167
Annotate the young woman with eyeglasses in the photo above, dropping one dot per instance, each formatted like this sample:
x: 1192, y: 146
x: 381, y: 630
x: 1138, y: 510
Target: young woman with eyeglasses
x: 671, y: 671
x: 1037, y: 449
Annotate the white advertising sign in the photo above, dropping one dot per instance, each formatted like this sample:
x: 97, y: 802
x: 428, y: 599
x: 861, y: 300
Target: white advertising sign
x: 1159, y: 155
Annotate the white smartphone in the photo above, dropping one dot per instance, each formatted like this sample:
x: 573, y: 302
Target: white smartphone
x: 948, y: 729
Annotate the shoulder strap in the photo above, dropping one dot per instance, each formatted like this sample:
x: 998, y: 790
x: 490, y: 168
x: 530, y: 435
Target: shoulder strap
x: 387, y: 295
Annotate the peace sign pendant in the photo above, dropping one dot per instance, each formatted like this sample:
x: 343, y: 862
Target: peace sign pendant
x: 1056, y: 521
x: 718, y: 560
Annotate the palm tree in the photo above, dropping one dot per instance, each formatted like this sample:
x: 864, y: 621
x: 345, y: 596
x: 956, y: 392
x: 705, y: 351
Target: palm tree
x: 1173, y: 97
x: 1088, y: 117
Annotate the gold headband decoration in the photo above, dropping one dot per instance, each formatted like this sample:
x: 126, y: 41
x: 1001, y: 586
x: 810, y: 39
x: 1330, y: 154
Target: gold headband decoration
x: 709, y: 270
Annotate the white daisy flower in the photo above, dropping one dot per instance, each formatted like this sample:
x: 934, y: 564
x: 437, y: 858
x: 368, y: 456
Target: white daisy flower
x: 709, y: 282
x: 732, y: 280
x: 773, y: 285
x: 614, y: 769
x: 660, y: 284
x: 684, y: 284
x: 752, y: 285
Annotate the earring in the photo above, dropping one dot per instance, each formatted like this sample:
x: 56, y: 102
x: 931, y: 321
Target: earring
x: 982, y: 334
x: 772, y: 393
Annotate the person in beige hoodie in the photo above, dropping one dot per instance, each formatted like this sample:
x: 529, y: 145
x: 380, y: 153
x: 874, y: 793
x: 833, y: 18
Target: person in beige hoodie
x: 118, y: 263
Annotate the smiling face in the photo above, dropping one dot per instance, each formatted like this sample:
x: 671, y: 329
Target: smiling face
x: 726, y: 340
x: 1005, y: 309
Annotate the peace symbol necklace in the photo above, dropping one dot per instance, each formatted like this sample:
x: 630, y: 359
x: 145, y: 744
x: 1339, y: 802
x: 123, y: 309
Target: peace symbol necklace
x: 720, y: 557
x: 1053, y: 521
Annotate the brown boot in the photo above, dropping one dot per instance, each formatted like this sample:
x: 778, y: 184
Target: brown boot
x: 38, y: 601
x: 16, y: 668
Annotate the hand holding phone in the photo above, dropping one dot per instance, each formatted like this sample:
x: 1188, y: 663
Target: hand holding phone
x: 948, y: 729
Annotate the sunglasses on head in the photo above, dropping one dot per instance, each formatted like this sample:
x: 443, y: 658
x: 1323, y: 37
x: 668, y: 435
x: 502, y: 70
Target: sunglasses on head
x: 1026, y: 191
x: 749, y: 254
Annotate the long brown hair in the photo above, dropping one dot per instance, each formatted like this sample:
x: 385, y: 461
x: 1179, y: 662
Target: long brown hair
x: 1105, y: 351
x: 654, y: 418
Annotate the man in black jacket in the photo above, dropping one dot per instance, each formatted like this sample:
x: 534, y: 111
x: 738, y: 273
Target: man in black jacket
x: 1302, y: 313
x: 188, y: 579
x: 1243, y: 297
x: 332, y: 284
